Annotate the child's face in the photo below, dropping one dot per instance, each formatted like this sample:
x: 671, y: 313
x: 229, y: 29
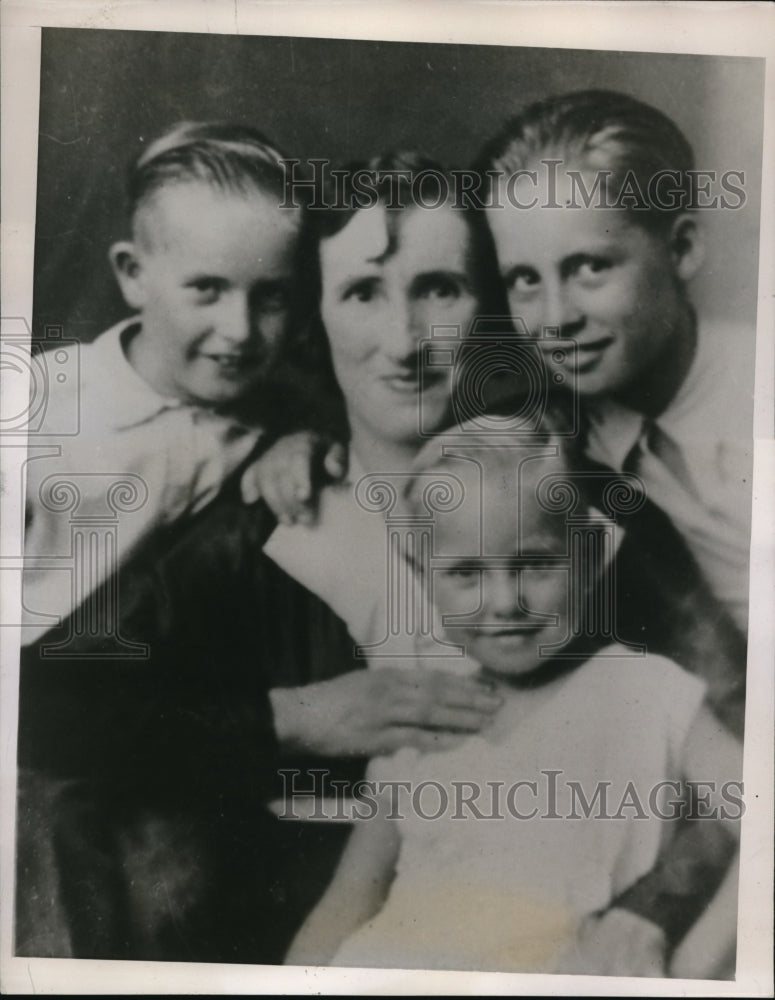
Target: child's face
x: 213, y: 277
x: 509, y: 612
x: 377, y: 308
x: 596, y: 276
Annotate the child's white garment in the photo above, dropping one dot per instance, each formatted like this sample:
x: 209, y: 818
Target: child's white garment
x: 506, y: 894
x: 699, y: 470
x: 170, y: 457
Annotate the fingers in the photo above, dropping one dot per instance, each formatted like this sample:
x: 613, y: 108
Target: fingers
x: 287, y: 475
x: 435, y: 716
x: 335, y: 461
x: 283, y: 477
x: 425, y: 740
x: 433, y: 699
x: 277, y: 491
x: 298, y: 487
x: 249, y: 485
x: 463, y: 692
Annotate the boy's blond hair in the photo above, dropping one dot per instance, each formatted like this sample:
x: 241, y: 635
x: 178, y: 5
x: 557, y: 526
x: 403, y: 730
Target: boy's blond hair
x: 229, y: 157
x: 605, y: 131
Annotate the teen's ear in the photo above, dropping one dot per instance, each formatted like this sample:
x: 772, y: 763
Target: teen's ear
x: 128, y: 271
x: 686, y: 246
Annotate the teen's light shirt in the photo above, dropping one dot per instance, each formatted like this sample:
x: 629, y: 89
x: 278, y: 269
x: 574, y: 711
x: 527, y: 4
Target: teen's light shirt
x: 139, y: 461
x: 696, y: 458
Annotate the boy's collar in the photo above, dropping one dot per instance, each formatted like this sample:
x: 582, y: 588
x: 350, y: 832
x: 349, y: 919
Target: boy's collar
x: 613, y: 429
x: 132, y: 400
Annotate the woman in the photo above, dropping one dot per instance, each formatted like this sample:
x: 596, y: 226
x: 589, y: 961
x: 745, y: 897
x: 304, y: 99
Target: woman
x: 156, y: 774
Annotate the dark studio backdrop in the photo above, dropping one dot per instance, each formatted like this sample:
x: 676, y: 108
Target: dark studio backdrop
x: 105, y: 93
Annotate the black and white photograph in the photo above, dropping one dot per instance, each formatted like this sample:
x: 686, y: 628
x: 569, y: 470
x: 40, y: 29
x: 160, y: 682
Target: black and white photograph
x: 388, y: 470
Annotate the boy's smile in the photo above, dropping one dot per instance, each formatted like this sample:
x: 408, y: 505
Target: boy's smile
x: 609, y: 284
x: 212, y: 280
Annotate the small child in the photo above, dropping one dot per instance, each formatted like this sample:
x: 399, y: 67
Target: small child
x: 596, y: 237
x: 514, y: 880
x: 208, y: 271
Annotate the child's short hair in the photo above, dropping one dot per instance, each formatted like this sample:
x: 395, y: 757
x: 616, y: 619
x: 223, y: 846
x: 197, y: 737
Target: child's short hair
x: 227, y: 156
x: 544, y: 460
x: 599, y: 130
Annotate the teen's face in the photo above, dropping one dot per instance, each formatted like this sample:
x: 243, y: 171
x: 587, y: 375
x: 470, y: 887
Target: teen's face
x: 596, y: 277
x: 214, y: 276
x: 509, y: 612
x: 378, y: 307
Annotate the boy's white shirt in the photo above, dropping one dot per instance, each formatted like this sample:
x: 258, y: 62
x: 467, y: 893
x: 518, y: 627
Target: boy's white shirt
x: 710, y: 420
x: 172, y: 458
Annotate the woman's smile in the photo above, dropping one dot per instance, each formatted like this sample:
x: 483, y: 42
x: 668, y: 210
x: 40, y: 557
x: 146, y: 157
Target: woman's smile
x: 387, y: 281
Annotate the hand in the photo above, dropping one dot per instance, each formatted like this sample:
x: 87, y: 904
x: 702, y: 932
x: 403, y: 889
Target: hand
x: 378, y: 711
x: 616, y: 943
x: 289, y: 474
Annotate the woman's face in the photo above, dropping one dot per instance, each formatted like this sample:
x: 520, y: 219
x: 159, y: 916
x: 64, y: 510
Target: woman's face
x: 378, y: 307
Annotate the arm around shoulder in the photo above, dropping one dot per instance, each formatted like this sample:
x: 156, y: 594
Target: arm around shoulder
x: 713, y: 768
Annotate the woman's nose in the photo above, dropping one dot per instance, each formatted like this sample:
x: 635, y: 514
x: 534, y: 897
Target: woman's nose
x: 405, y: 331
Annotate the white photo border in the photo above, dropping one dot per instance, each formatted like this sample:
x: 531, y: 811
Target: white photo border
x: 699, y: 28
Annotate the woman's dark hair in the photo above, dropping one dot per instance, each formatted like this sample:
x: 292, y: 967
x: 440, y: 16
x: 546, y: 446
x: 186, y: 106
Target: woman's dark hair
x: 398, y: 181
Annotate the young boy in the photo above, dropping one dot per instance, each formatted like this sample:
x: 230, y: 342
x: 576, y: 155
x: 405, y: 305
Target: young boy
x: 595, y: 238
x: 208, y: 272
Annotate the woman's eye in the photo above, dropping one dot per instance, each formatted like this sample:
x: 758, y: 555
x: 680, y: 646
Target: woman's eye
x: 361, y: 291
x: 439, y: 288
x: 523, y: 281
x: 592, y: 269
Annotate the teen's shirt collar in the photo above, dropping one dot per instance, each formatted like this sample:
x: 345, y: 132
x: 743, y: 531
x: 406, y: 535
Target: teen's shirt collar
x: 712, y: 404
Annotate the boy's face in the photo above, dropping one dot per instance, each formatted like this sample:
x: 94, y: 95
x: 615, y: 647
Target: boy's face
x: 377, y: 309
x: 509, y: 612
x: 596, y: 276
x: 213, y: 272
